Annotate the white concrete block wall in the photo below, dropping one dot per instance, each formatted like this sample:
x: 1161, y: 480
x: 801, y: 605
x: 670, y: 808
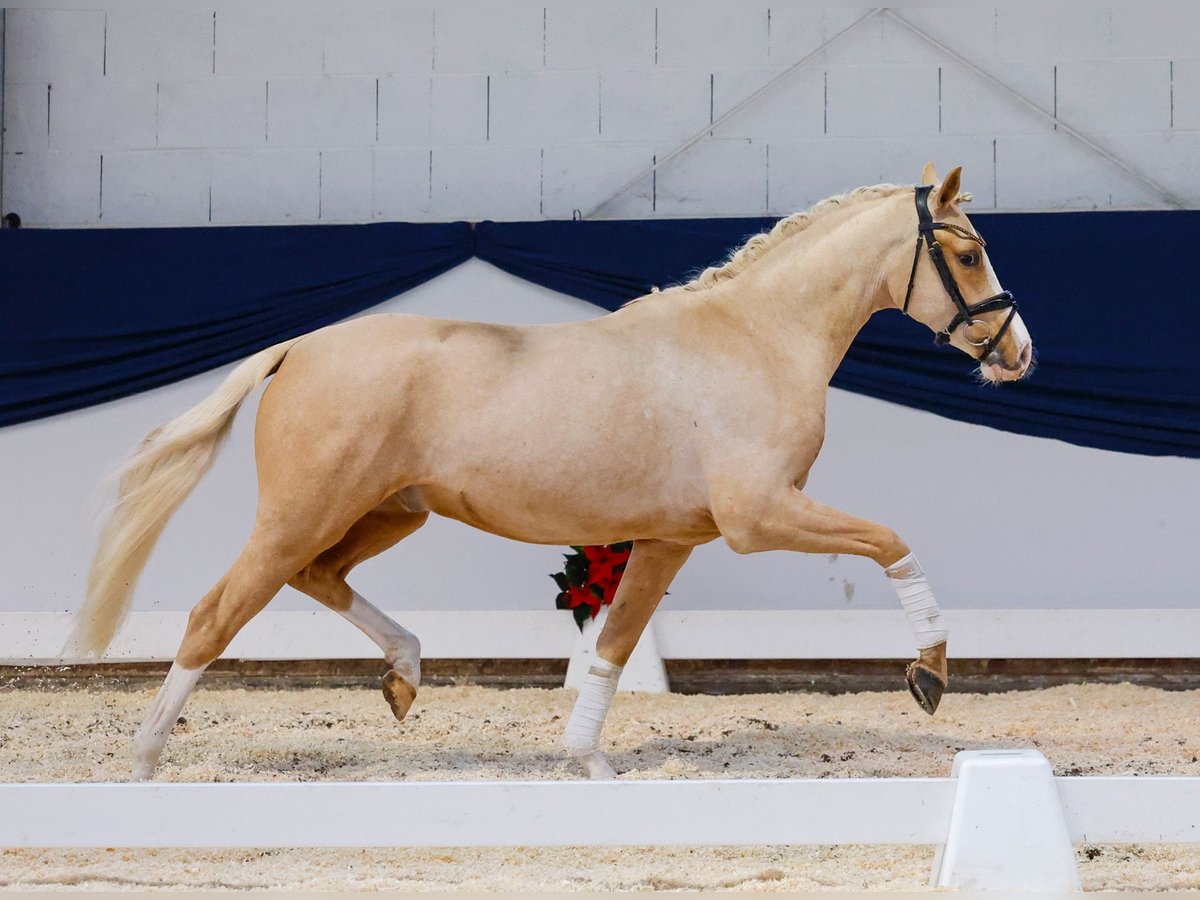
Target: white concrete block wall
x: 453, y: 94
x: 654, y: 104
x: 230, y: 113
x: 170, y: 187
x: 158, y: 43
x: 346, y: 185
x: 321, y: 112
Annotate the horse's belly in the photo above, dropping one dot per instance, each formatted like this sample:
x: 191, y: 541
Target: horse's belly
x: 557, y: 515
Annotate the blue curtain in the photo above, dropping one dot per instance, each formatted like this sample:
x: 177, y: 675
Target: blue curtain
x: 91, y: 315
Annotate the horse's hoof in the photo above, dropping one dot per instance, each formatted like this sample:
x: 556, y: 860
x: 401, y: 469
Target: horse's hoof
x: 398, y: 693
x: 596, y: 767
x: 925, y: 686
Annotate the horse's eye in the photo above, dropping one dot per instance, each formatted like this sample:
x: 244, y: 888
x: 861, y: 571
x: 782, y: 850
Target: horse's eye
x: 968, y: 259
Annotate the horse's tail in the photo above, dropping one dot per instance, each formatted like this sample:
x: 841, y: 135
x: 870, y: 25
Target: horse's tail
x: 152, y: 483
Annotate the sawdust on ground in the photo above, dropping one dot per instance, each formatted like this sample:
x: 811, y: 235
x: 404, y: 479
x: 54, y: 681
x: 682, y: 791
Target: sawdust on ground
x: 465, y: 733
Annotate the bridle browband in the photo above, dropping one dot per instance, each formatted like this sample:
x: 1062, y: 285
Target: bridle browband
x: 926, y: 227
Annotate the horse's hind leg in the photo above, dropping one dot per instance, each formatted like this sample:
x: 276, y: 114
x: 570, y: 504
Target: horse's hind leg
x: 651, y: 567
x: 259, y: 572
x: 324, y: 579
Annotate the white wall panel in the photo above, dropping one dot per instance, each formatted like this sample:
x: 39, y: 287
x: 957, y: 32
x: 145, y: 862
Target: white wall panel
x: 212, y: 112
x: 159, y: 43
x: 147, y: 188
x: 791, y: 110
x: 535, y: 108
x: 1172, y: 159
x: 53, y: 187
x: 346, y: 183
x: 878, y: 101
x: 53, y: 43
x: 506, y: 181
x: 896, y: 45
x: 458, y: 109
x: 803, y: 172
x: 379, y: 40
x: 102, y: 114
x: 433, y: 110
x: 321, y: 112
x: 970, y: 30
x: 795, y: 30
x: 401, y: 184
x: 1185, y: 89
x: 971, y: 106
x: 1042, y: 171
x: 580, y: 178
x: 484, y: 37
x: 257, y: 187
x: 437, y: 77
x: 1155, y: 29
x: 404, y: 106
x: 267, y: 42
x: 1076, y: 32
x: 692, y: 35
x: 26, y: 117
x: 654, y: 104
x: 1113, y: 95
x: 609, y: 37
x: 717, y: 175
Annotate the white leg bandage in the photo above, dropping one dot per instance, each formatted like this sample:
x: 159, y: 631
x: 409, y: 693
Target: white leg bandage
x: 918, y: 602
x: 587, y: 718
x: 400, y: 646
x: 150, y: 739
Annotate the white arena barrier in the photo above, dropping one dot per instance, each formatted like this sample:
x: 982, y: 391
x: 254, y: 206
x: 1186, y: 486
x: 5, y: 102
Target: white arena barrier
x: 1001, y: 821
x: 28, y: 638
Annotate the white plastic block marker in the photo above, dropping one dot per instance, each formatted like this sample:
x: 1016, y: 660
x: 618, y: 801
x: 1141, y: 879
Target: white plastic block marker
x: 1007, y: 829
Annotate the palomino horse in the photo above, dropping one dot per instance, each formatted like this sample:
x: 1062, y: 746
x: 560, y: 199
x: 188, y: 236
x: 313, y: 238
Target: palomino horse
x: 691, y: 414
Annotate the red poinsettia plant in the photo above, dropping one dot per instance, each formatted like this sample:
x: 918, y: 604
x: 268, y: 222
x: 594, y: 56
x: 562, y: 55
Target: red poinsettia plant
x: 589, y: 579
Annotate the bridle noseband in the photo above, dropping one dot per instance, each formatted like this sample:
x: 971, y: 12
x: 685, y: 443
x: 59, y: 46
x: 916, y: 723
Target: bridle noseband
x: 1003, y: 300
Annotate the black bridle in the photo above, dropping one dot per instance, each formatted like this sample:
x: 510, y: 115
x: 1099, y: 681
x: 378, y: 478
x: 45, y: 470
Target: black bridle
x: 926, y: 226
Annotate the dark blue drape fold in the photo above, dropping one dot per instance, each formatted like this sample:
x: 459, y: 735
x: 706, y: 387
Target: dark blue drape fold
x: 91, y: 315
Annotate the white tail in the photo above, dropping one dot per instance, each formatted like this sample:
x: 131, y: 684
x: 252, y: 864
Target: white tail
x: 153, y: 482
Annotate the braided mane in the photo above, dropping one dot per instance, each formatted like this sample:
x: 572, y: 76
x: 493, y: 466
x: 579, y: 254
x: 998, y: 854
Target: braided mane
x: 752, y: 249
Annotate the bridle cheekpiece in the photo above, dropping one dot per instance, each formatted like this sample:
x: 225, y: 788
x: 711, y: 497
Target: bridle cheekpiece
x: 926, y: 227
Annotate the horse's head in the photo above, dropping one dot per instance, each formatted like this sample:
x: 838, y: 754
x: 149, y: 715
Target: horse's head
x: 953, y: 289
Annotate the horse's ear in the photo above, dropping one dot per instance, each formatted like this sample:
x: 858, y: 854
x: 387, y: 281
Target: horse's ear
x: 948, y: 192
x: 929, y: 174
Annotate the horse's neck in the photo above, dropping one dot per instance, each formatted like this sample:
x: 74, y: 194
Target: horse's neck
x: 818, y: 292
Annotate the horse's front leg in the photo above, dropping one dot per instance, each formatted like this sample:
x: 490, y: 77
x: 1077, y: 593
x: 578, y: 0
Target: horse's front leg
x: 790, y: 520
x: 648, y: 574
